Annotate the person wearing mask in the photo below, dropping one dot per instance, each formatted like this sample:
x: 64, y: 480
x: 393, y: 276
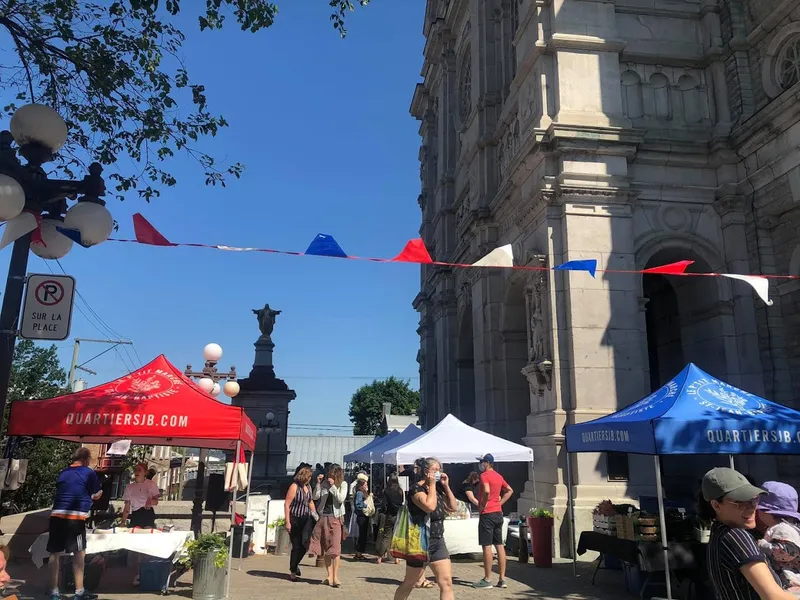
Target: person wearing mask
x: 736, y: 567
x: 140, y: 497
x: 329, y: 496
x: 470, y: 491
x: 298, y: 510
x: 5, y: 555
x: 77, y: 486
x: 778, y: 523
x: 393, y: 500
x: 494, y: 492
x: 360, y: 505
x: 430, y: 499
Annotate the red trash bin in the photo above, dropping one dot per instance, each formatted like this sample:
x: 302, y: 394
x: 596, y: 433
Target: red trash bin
x: 542, y: 540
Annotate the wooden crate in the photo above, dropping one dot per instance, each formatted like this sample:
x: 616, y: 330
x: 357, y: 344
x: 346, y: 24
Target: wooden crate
x: 625, y: 527
x: 604, y: 525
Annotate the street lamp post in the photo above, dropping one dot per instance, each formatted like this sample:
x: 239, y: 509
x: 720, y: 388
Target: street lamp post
x: 208, y: 380
x: 31, y: 203
x: 270, y: 427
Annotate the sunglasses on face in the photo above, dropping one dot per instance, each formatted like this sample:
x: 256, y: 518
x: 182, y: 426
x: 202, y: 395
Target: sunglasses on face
x: 744, y: 504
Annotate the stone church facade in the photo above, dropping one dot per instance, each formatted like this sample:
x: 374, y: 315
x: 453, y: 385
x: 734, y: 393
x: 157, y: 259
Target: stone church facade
x: 633, y: 132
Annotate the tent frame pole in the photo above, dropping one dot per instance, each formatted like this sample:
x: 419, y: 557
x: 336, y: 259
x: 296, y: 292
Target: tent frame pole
x: 733, y: 464
x: 571, y: 508
x: 233, y: 519
x: 663, y: 522
x: 246, y: 502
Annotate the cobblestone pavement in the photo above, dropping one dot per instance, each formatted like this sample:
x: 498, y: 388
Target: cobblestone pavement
x: 266, y: 577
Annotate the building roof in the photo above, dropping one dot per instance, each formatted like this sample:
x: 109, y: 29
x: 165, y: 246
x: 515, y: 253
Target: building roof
x: 400, y: 422
x: 320, y: 449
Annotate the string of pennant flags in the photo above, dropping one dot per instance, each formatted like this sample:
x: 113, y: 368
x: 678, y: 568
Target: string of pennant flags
x: 325, y: 245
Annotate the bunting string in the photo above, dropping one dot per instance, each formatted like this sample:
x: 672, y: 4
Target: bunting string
x: 413, y: 252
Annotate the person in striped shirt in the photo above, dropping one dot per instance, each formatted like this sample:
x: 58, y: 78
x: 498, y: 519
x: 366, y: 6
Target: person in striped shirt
x: 77, y: 487
x: 737, y: 568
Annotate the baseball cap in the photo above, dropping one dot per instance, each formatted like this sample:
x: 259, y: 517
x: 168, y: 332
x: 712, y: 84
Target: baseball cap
x: 781, y: 500
x: 722, y: 481
x: 487, y: 458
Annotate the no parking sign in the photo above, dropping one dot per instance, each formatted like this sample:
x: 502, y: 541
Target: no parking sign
x: 47, y: 310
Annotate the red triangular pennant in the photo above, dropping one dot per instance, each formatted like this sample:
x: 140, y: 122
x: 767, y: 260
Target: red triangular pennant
x: 147, y: 234
x: 675, y: 268
x: 414, y: 252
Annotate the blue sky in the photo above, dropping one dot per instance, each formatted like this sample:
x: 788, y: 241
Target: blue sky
x: 323, y: 128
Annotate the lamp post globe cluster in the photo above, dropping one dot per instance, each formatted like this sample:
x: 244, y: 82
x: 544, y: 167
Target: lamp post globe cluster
x: 209, y: 380
x: 36, y: 213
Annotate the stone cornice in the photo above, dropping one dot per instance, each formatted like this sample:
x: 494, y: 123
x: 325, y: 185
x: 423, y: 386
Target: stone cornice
x: 419, y: 102
x: 771, y: 21
x: 767, y: 124
x: 569, y: 41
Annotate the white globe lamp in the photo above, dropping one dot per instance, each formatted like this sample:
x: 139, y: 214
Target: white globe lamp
x: 270, y: 416
x: 92, y: 219
x: 56, y: 245
x: 212, y: 352
x: 216, y: 390
x: 12, y: 198
x: 40, y: 124
x: 206, y: 384
x: 231, y: 389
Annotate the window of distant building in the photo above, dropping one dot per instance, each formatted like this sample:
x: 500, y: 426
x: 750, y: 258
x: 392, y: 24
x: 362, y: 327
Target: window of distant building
x: 788, y: 64
x: 465, y: 87
x: 780, y: 69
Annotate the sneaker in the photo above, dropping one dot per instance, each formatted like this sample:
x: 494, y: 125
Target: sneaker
x: 297, y: 572
x: 85, y: 596
x: 502, y: 584
x: 483, y: 584
x: 55, y: 596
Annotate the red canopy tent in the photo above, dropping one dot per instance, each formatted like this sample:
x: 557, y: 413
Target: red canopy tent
x: 155, y: 405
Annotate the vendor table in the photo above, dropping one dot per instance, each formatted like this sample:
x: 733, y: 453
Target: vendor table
x: 461, y: 535
x: 160, y: 545
x: 687, y: 558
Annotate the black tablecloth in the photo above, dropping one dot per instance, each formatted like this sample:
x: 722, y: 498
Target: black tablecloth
x: 648, y: 555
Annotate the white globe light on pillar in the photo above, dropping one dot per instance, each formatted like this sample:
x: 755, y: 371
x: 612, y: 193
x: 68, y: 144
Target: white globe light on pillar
x: 270, y: 416
x: 231, y: 389
x: 56, y: 245
x: 40, y: 124
x: 92, y: 219
x: 216, y: 390
x: 212, y: 352
x: 12, y: 198
x: 206, y: 384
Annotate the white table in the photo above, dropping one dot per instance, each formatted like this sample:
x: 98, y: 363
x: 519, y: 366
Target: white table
x: 461, y: 535
x: 160, y: 545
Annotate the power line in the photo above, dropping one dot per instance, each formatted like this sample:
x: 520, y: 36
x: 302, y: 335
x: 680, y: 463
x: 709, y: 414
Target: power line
x: 347, y: 377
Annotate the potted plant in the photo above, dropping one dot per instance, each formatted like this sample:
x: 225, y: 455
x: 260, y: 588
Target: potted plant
x: 207, y: 555
x: 540, y: 524
x: 281, y: 536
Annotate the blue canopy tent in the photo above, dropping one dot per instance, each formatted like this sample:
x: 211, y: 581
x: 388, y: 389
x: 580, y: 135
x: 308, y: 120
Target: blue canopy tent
x: 694, y: 413
x: 362, y: 454
x: 410, y: 433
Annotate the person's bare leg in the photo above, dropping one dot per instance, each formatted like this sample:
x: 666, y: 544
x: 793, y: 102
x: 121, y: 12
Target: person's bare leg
x: 501, y: 561
x: 443, y: 571
x: 413, y: 576
x: 78, y: 562
x: 329, y: 568
x: 53, y: 563
x: 487, y: 563
x: 336, y: 562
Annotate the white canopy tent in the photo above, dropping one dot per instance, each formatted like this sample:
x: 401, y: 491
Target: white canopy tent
x: 453, y: 441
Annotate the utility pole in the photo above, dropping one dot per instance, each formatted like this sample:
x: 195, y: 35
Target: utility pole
x: 76, y: 350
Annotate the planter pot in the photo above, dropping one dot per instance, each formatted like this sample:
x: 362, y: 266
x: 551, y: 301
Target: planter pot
x: 281, y: 541
x: 208, y: 580
x: 541, y: 540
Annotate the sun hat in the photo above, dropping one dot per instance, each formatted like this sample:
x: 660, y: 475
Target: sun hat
x: 722, y: 481
x: 781, y: 500
x: 362, y: 477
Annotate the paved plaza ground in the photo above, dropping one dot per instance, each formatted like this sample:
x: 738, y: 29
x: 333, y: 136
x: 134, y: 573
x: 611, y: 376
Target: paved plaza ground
x: 266, y: 577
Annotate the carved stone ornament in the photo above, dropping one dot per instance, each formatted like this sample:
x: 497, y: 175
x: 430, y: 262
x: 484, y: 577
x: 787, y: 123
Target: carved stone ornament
x: 538, y: 347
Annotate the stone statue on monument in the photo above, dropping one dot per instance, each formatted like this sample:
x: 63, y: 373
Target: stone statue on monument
x: 266, y: 320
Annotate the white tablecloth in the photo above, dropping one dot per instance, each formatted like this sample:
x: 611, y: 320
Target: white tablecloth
x: 160, y: 545
x: 461, y: 535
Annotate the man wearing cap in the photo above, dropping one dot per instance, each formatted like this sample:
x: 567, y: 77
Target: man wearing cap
x: 494, y: 492
x: 736, y: 567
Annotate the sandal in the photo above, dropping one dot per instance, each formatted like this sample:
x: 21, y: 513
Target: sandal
x: 424, y: 585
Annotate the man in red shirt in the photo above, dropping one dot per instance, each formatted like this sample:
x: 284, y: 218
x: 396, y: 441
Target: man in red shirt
x: 494, y: 493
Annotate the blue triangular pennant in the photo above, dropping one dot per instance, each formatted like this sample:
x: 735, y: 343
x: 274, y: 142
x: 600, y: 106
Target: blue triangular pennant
x: 589, y: 265
x: 73, y: 234
x: 325, y: 245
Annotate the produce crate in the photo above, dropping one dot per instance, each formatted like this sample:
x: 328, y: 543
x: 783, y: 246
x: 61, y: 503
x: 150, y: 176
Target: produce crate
x: 625, y: 527
x: 604, y: 525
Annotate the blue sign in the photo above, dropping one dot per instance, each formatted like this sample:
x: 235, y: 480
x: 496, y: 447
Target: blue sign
x: 694, y: 413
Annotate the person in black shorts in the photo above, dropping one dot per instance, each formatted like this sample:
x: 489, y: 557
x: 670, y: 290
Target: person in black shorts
x: 77, y: 487
x: 494, y: 492
x: 430, y: 496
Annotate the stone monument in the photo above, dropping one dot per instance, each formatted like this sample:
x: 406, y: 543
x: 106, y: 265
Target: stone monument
x: 263, y: 394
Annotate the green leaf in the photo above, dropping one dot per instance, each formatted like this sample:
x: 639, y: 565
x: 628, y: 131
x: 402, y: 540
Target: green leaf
x: 366, y: 405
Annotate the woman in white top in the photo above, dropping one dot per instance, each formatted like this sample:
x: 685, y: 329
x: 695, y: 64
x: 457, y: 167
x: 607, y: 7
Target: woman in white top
x: 329, y: 497
x: 140, y: 497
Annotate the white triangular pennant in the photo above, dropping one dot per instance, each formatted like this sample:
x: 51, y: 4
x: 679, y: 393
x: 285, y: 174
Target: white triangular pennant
x: 759, y: 284
x: 499, y: 257
x: 15, y: 228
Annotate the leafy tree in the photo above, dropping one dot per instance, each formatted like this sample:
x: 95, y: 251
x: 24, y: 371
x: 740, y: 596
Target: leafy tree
x: 113, y: 70
x: 366, y: 404
x: 36, y: 374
